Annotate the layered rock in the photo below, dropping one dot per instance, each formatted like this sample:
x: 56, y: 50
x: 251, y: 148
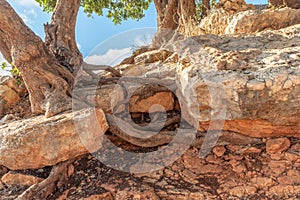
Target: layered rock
x: 39, y: 142
x: 244, y: 20
x: 250, y: 84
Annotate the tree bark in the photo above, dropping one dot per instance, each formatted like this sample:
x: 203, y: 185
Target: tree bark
x: 47, y: 81
x: 173, y: 17
x: 205, y: 7
x: 60, y: 34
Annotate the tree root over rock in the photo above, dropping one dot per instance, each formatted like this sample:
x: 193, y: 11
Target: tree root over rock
x: 57, y: 178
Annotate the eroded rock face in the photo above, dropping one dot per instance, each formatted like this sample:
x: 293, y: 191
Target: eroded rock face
x: 256, y: 21
x: 39, y: 142
x: 250, y: 83
x: 244, y: 21
x: 257, y: 82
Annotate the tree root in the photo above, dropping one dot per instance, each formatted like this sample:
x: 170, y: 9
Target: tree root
x: 89, y: 69
x: 137, y: 135
x: 57, y: 178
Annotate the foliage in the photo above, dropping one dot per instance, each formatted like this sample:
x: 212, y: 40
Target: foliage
x: 199, y: 7
x: 15, y: 73
x: 116, y: 10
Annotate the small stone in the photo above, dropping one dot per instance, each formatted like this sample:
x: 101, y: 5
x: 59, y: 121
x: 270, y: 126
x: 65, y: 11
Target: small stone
x: 240, y: 168
x: 71, y: 170
x: 210, y: 168
x: 104, y: 196
x: 278, y: 145
x: 282, y: 190
x: 252, y: 150
x: 277, y: 167
x: 219, y: 150
x: 19, y: 179
x: 262, y: 182
x: 291, y: 156
x: 241, y: 191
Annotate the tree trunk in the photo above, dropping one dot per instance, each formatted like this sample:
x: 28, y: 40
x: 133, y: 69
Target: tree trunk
x: 173, y: 17
x: 187, y: 17
x: 60, y: 34
x: 47, y: 81
x: 205, y: 7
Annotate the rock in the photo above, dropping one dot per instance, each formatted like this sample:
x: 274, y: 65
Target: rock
x: 140, y: 192
x: 248, y: 20
x: 240, y: 191
x: 292, y: 178
x: 39, y: 141
x: 277, y: 167
x: 10, y: 82
x: 104, y: 196
x: 256, y: 21
x: 234, y: 6
x: 219, y: 150
x: 252, y: 150
x: 18, y: 179
x: 263, y: 182
x: 8, y: 97
x: 240, y: 168
x: 278, y: 145
x: 159, y: 102
x: 242, y: 94
x: 211, y: 169
x: 152, y: 56
x: 284, y: 190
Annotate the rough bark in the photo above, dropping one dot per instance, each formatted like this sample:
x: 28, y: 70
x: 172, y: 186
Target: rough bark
x: 205, y: 7
x: 60, y: 34
x: 47, y: 81
x: 187, y: 17
x: 173, y: 16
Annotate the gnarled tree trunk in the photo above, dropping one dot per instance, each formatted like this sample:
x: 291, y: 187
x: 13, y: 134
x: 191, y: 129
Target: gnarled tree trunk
x: 60, y: 34
x: 205, y: 7
x: 173, y: 17
x: 47, y: 81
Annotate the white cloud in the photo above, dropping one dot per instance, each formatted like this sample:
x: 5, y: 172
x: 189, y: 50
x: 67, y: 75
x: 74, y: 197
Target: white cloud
x: 112, y: 57
x: 30, y: 12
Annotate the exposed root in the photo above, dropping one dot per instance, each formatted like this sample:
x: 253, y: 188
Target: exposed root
x: 57, y: 178
x: 89, y: 67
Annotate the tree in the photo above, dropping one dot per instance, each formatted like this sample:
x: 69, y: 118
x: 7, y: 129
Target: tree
x: 179, y: 16
x: 48, y: 68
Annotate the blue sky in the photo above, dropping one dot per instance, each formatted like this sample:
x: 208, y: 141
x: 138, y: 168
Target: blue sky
x: 97, y: 35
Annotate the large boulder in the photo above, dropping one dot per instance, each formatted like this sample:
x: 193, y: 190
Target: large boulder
x: 249, y: 83
x: 10, y: 93
x: 255, y: 21
x: 224, y: 21
x: 38, y: 142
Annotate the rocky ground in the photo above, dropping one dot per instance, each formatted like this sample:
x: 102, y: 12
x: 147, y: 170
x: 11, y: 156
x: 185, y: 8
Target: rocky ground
x: 269, y: 170
x: 260, y: 158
